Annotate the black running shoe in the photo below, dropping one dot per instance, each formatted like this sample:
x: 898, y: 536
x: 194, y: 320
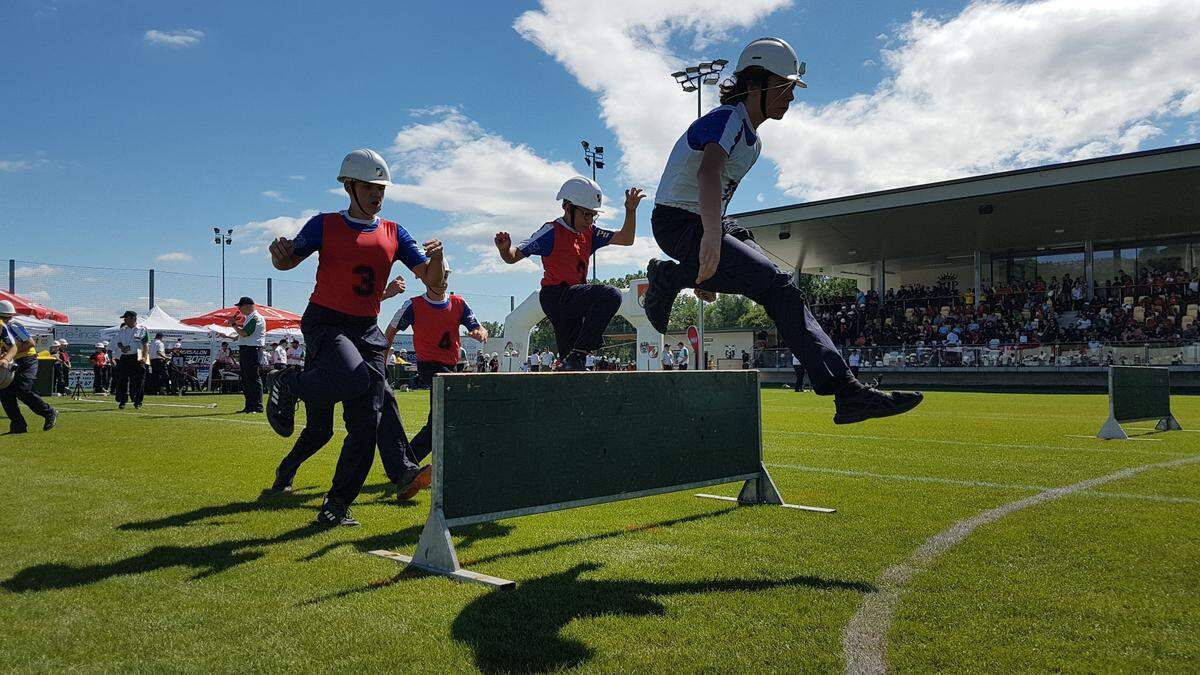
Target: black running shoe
x: 283, y: 480
x: 333, y: 514
x: 575, y: 361
x: 51, y: 420
x: 866, y: 403
x: 413, y: 481
x: 17, y: 430
x: 660, y: 294
x: 281, y: 404
x: 120, y: 406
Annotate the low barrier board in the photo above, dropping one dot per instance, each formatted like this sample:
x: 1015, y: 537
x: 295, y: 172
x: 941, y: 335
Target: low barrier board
x: 517, y: 444
x: 1138, y: 393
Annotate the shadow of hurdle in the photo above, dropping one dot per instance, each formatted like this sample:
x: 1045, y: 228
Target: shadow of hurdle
x: 519, y: 630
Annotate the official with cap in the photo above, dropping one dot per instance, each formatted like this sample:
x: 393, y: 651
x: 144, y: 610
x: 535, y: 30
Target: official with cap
x: 251, y: 329
x: 129, y: 377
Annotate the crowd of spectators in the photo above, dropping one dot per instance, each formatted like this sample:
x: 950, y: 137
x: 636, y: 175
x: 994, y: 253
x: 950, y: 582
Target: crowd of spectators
x: 1155, y: 306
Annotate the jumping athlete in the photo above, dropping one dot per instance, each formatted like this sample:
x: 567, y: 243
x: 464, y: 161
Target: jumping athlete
x: 435, y: 319
x: 578, y: 311
x: 715, y: 256
x: 346, y: 349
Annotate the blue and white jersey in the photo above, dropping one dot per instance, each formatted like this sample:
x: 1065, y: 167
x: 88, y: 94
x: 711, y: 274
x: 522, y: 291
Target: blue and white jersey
x: 729, y: 126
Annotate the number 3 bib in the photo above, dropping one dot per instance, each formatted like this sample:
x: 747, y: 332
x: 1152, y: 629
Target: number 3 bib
x: 353, y: 266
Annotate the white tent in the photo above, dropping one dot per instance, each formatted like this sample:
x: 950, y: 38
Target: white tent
x: 288, y: 334
x: 158, y: 321
x: 34, y: 325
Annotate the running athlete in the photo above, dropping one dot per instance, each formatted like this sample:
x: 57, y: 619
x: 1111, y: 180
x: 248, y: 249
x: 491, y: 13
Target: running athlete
x: 715, y: 256
x: 346, y: 350
x: 19, y: 354
x: 578, y: 311
x: 435, y: 318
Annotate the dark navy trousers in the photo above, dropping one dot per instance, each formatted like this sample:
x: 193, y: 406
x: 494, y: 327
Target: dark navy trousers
x: 579, y: 314
x: 24, y: 375
x: 346, y: 357
x: 745, y: 270
x: 422, y: 443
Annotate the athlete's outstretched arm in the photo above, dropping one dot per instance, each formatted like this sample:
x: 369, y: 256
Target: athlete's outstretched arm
x: 712, y: 165
x: 509, y: 253
x: 625, y: 236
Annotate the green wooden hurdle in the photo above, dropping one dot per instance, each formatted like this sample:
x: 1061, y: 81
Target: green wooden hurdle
x: 508, y: 445
x: 1138, y: 393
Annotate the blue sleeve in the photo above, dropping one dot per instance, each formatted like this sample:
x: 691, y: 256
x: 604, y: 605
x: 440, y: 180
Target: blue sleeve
x: 408, y: 252
x: 601, y: 237
x: 308, y: 241
x: 709, y: 129
x: 404, y: 317
x: 18, y: 332
x: 468, y: 317
x: 541, y: 243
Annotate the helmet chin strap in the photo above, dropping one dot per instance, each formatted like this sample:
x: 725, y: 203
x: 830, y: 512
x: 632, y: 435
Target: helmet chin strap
x: 354, y: 198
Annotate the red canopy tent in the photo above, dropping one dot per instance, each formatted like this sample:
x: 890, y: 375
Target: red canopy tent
x: 27, y: 307
x: 276, y: 318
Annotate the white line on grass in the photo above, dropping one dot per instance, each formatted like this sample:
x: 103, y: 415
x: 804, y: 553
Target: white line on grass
x: 162, y: 405
x: 1190, y: 431
x: 975, y: 483
x: 1097, y: 438
x: 946, y: 441
x: 864, y: 640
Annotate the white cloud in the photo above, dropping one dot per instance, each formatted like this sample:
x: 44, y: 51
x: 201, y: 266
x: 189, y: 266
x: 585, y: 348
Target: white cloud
x: 14, y: 165
x: 277, y: 196
x: 175, y: 39
x: 760, y: 198
x: 485, y: 183
x: 997, y: 87
x: 619, y: 50
x: 36, y: 272
x: 174, y: 256
x: 295, y: 177
x: 258, y: 233
x: 868, y: 63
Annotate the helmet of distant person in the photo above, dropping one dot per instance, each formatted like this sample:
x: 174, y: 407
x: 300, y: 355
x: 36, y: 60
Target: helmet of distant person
x: 582, y: 192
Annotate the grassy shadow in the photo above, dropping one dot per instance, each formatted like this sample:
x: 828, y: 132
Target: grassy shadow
x: 207, y: 560
x: 520, y: 630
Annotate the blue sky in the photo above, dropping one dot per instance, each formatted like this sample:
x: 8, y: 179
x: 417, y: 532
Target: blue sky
x: 132, y: 128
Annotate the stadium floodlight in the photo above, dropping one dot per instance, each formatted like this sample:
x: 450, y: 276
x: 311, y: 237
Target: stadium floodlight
x: 689, y: 88
x: 584, y: 144
x: 705, y: 65
x: 599, y: 149
x: 712, y: 79
x: 720, y: 64
x: 222, y: 240
x: 594, y: 157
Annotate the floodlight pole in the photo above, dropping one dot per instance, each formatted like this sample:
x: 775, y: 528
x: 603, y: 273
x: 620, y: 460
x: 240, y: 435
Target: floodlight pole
x: 223, y: 240
x: 593, y: 157
x: 693, y: 78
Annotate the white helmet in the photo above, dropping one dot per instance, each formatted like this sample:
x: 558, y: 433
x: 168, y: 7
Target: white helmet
x: 6, y: 308
x: 367, y: 166
x: 774, y: 55
x: 582, y: 192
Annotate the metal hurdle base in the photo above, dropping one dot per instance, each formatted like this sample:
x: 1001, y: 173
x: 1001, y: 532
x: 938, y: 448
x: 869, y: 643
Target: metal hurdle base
x: 436, y: 555
x: 762, y: 490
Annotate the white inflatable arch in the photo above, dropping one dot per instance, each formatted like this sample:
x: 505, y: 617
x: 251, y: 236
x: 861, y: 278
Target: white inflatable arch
x: 520, y: 322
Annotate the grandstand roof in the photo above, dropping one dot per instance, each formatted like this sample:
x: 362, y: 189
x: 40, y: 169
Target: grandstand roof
x: 1146, y: 195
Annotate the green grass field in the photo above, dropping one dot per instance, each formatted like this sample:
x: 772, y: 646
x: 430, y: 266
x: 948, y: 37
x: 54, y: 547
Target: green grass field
x: 138, y: 541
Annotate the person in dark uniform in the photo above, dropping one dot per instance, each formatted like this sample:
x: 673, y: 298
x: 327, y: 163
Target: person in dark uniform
x: 18, y: 354
x: 346, y: 350
x: 578, y: 311
x: 713, y: 255
x: 251, y: 329
x: 129, y: 376
x: 798, y: 366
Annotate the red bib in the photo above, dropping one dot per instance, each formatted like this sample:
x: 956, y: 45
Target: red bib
x: 435, y: 330
x: 353, y: 266
x: 568, y: 261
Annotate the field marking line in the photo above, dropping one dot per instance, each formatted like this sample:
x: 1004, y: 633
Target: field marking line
x: 946, y: 441
x: 179, y: 417
x: 208, y: 406
x: 864, y: 640
x: 1189, y: 431
x: 1131, y: 438
x: 998, y: 417
x: 975, y: 483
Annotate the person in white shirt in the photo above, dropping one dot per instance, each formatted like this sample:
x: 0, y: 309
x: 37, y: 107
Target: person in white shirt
x: 682, y: 356
x: 547, y: 360
x: 295, y: 355
x: 589, y: 362
x: 279, y: 356
x: 129, y: 376
x: 534, y: 363
x: 252, y: 337
x: 158, y: 365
